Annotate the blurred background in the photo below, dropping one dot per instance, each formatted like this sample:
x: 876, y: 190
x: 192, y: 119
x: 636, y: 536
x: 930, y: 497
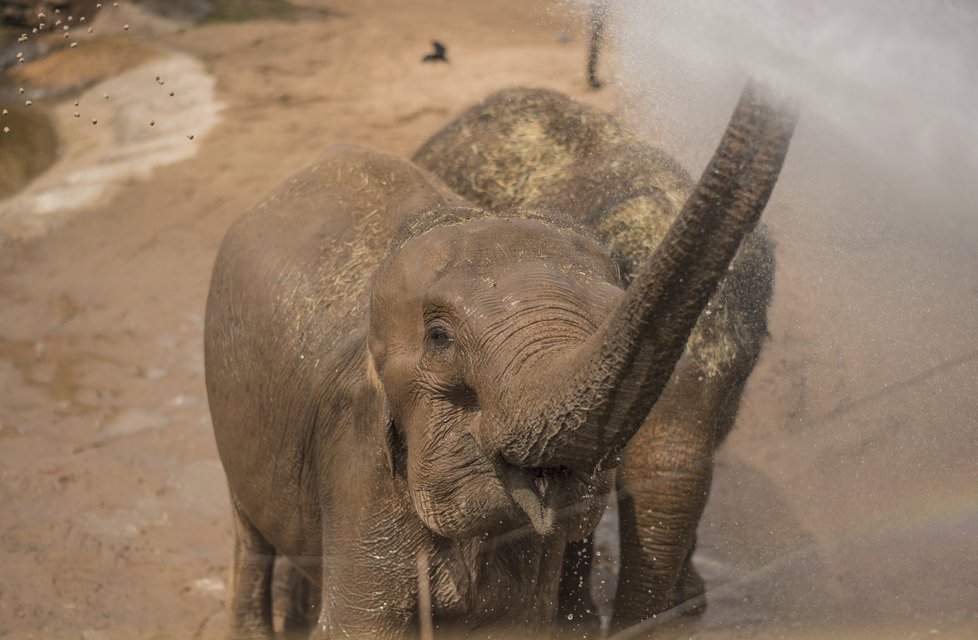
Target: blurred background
x: 845, y: 501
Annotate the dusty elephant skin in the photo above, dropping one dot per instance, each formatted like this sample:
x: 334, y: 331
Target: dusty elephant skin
x: 392, y: 370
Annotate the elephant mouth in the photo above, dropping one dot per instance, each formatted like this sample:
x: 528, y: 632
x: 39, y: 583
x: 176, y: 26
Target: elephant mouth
x: 536, y: 492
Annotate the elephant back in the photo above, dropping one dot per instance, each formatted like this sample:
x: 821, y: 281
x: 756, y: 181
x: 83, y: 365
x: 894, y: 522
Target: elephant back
x: 304, y: 255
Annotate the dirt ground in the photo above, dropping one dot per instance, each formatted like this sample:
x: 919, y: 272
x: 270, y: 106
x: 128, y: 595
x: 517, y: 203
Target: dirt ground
x: 845, y: 502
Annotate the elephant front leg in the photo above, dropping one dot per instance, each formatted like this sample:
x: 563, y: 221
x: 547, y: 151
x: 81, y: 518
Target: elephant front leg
x: 663, y: 484
x: 297, y: 598
x: 250, y: 596
x: 657, y: 524
x: 370, y: 577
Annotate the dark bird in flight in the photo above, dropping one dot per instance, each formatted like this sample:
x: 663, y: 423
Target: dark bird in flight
x: 437, y: 55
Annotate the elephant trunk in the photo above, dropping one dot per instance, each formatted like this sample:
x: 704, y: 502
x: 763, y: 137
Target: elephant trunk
x: 590, y: 402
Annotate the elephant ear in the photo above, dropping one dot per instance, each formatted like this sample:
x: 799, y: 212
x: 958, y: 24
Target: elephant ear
x: 381, y: 418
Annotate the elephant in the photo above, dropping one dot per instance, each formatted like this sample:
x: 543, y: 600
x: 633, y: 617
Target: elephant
x: 538, y: 150
x: 420, y: 401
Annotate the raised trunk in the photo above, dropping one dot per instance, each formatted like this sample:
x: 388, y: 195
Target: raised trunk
x: 583, y: 411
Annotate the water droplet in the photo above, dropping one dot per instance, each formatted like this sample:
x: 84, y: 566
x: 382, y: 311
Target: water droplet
x: 74, y: 44
x: 190, y: 137
x: 77, y: 115
x: 125, y: 27
x: 152, y: 123
x: 171, y: 93
x: 28, y: 102
x: 6, y: 129
x: 94, y: 121
x: 570, y: 616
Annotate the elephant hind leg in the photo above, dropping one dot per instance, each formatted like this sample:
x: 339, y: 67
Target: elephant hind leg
x: 250, y: 595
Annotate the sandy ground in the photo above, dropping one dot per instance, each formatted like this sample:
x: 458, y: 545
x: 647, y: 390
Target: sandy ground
x: 845, y: 502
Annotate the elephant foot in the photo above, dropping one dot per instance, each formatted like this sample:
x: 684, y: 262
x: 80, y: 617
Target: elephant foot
x: 296, y: 600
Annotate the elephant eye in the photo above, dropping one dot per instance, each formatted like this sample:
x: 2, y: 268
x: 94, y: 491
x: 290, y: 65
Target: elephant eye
x: 437, y: 337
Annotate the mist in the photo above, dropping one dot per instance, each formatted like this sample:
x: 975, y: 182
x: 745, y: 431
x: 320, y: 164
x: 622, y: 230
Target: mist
x: 844, y: 497
x: 888, y: 87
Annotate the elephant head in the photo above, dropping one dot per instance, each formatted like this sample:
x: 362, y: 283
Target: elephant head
x: 514, y: 363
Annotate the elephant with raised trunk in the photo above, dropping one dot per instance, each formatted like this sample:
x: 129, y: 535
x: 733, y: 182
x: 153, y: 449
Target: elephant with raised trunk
x: 396, y: 372
x: 538, y: 150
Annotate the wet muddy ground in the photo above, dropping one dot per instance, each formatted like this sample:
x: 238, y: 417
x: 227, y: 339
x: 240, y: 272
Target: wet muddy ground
x: 845, y: 502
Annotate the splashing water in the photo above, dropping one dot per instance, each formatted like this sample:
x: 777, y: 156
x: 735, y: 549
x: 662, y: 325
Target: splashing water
x: 855, y: 440
x: 894, y: 82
